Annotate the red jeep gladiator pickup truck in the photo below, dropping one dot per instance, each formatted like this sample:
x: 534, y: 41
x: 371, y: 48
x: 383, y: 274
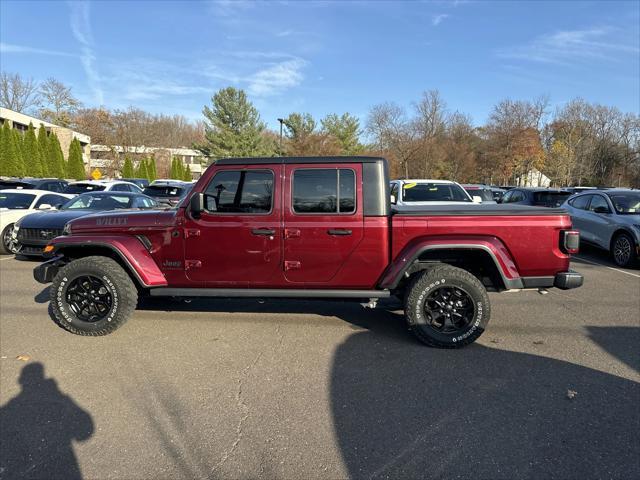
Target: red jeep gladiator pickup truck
x: 308, y: 228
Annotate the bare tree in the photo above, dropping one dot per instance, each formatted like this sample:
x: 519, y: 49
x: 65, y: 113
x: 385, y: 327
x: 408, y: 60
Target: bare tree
x: 59, y: 102
x: 17, y: 93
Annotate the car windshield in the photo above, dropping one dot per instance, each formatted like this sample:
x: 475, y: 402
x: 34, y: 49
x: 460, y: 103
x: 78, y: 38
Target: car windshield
x: 484, y: 193
x: 98, y: 202
x: 550, y: 199
x: 626, y: 203
x: 15, y: 201
x: 83, y: 187
x: 163, y: 191
x: 433, y: 192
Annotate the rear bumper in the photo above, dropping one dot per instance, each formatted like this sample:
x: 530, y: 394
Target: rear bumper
x: 45, y: 272
x: 568, y: 280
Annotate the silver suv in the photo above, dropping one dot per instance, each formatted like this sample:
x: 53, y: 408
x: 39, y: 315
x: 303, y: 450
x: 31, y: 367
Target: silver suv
x: 609, y: 219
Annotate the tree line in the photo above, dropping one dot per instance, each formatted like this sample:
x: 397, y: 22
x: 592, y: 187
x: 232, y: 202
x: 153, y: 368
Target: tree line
x: 38, y: 155
x: 579, y: 143
x: 146, y: 168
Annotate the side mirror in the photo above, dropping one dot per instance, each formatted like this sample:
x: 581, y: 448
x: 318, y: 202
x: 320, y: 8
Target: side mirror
x: 196, y: 204
x: 477, y: 199
x: 58, y: 205
x: 394, y: 200
x: 601, y: 209
x: 45, y: 206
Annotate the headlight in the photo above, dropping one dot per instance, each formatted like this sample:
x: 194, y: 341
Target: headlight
x: 67, y: 229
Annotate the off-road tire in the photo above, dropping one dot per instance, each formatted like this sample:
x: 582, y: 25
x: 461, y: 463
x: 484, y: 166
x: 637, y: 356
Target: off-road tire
x: 429, y: 281
x: 4, y: 249
x: 628, y: 242
x: 122, y: 289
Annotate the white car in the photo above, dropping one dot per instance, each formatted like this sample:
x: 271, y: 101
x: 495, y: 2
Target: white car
x: 428, y: 192
x: 16, y: 203
x: 85, y: 186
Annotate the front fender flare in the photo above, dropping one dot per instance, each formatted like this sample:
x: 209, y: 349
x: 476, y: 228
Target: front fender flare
x: 129, y: 250
x: 491, y: 245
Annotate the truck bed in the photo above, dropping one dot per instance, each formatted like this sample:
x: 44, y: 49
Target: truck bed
x: 474, y: 210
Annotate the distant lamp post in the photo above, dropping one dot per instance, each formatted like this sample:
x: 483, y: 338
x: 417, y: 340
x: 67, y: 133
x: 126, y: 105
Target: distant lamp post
x: 281, y: 120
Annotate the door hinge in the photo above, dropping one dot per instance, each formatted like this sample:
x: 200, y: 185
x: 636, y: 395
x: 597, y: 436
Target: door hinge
x: 192, y: 232
x: 189, y: 264
x: 291, y: 265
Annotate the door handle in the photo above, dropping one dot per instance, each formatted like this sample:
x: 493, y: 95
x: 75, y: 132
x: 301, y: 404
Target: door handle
x: 263, y: 231
x: 339, y: 231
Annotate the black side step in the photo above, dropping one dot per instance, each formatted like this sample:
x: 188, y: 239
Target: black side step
x: 265, y: 293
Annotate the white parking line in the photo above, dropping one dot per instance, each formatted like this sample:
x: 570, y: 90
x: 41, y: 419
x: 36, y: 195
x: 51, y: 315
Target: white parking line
x: 607, y: 266
x: 8, y: 258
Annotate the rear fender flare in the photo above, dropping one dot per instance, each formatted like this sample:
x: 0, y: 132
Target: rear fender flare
x: 491, y: 245
x: 130, y: 250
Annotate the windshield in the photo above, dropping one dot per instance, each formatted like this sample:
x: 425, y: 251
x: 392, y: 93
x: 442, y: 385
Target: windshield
x: 433, y: 192
x: 626, y: 203
x: 163, y: 191
x: 98, y: 202
x: 82, y: 188
x: 484, y: 193
x: 15, y: 201
x: 550, y: 199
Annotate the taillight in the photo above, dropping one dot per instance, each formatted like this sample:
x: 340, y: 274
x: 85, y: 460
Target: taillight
x: 570, y: 241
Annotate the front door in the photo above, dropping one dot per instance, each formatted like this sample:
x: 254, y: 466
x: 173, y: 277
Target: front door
x: 323, y: 220
x: 237, y: 240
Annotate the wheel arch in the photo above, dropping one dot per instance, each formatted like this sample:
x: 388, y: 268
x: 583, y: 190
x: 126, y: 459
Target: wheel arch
x: 619, y: 231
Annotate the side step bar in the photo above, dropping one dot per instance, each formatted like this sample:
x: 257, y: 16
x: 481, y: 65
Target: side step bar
x: 265, y: 293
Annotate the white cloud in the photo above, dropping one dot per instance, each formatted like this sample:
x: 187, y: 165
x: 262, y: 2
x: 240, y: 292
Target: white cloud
x: 81, y: 28
x: 438, y: 19
x: 276, y: 78
x: 572, y: 46
x: 10, y: 48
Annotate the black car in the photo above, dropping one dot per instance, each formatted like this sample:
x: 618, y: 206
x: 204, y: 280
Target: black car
x: 169, y: 193
x: 34, y: 231
x: 141, y: 182
x: 50, y: 184
x: 536, y: 196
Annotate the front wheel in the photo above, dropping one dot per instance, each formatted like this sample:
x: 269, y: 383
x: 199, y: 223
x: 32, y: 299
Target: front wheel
x: 447, y: 307
x: 92, y: 296
x: 622, y: 250
x: 7, y: 244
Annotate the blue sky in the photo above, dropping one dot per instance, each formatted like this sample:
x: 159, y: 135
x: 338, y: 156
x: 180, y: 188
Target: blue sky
x: 327, y: 56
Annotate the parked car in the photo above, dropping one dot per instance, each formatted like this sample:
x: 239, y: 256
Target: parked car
x: 141, y: 182
x: 84, y: 186
x: 50, y: 184
x: 497, y: 192
x: 480, y: 193
x: 610, y: 220
x: 32, y: 232
x: 309, y: 228
x: 168, y: 192
x: 535, y: 196
x: 16, y: 203
x: 428, y: 192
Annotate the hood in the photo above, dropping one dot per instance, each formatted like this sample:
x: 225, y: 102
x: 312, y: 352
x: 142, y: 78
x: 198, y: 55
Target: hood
x: 120, y: 220
x: 52, y: 218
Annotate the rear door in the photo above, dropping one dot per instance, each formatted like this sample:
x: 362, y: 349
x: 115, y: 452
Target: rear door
x: 237, y: 240
x: 322, y: 218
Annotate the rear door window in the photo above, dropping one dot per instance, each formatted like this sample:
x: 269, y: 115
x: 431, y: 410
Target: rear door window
x: 319, y: 190
x: 550, y: 199
x: 581, y: 202
x: 598, y: 201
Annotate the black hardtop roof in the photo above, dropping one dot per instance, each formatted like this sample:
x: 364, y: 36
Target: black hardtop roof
x: 309, y: 160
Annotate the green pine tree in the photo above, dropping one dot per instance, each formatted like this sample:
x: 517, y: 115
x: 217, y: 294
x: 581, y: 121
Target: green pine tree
x: 75, y: 166
x: 18, y: 141
x: 55, y: 152
x: 127, y: 168
x: 174, y: 171
x: 31, y: 151
x: 3, y: 148
x: 153, y: 172
x: 43, y: 146
x: 186, y: 173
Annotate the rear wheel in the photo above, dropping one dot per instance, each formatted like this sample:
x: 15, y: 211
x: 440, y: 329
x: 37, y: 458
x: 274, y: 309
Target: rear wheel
x: 92, y: 296
x: 447, y: 307
x: 622, y: 250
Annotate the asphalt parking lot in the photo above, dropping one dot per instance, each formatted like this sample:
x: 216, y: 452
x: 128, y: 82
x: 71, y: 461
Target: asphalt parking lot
x: 295, y: 389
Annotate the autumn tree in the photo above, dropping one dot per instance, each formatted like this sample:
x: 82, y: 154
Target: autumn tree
x: 233, y: 127
x: 17, y: 93
x: 59, y: 102
x: 75, y: 165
